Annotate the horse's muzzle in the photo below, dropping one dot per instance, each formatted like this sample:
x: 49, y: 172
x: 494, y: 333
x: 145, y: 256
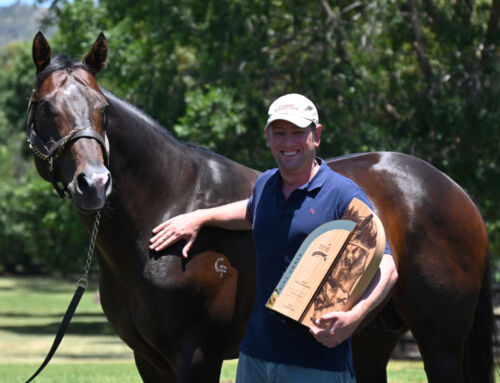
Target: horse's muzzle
x: 90, y: 188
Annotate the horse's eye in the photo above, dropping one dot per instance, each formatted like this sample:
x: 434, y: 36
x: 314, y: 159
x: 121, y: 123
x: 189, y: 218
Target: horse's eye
x: 46, y: 108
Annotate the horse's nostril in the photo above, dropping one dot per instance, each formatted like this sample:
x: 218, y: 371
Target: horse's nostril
x: 82, y: 182
x: 108, y: 182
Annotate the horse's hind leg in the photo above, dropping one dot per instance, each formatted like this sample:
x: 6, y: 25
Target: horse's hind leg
x: 373, y: 345
x: 442, y: 356
x: 439, y: 314
x: 371, y: 353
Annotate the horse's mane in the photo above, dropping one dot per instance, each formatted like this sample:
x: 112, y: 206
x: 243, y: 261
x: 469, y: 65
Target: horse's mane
x: 138, y: 114
x: 156, y: 127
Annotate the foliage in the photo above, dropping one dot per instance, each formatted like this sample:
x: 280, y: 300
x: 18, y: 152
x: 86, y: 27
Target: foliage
x: 37, y: 231
x: 212, y: 118
x: 417, y: 77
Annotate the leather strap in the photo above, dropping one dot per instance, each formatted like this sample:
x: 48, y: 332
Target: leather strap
x: 62, y: 329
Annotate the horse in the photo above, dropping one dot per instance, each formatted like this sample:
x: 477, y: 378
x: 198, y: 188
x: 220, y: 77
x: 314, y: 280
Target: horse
x: 183, y: 317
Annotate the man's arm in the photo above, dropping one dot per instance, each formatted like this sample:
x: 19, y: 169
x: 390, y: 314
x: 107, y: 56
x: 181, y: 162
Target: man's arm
x: 335, y: 327
x: 232, y: 216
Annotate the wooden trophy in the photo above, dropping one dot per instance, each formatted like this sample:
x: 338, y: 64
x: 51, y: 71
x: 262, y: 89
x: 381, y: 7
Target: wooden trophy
x: 332, y: 268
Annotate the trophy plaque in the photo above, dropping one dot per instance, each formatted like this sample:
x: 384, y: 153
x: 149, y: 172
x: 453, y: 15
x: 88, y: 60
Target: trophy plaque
x: 332, y: 268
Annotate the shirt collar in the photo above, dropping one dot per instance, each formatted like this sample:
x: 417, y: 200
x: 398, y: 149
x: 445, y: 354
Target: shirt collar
x: 319, y: 178
x: 317, y: 182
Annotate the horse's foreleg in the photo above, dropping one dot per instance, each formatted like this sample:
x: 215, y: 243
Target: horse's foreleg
x: 199, y: 360
x: 200, y: 366
x: 150, y: 374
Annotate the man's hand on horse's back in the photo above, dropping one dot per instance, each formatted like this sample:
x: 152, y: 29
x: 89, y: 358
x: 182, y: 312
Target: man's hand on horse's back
x: 184, y: 226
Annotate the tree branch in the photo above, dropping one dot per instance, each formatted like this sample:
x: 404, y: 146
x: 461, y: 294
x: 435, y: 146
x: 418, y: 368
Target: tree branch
x: 418, y: 42
x: 332, y: 20
x: 434, y: 12
x: 491, y: 37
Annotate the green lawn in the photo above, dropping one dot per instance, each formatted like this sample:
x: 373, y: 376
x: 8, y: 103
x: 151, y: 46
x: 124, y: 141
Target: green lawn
x: 30, y: 312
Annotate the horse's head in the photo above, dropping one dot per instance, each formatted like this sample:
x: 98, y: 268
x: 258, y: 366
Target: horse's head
x: 67, y: 124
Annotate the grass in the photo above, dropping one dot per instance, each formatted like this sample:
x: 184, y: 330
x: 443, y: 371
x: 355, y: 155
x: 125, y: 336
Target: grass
x: 30, y: 312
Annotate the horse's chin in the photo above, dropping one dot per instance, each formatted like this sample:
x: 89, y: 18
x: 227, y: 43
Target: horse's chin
x: 87, y: 203
x: 87, y: 206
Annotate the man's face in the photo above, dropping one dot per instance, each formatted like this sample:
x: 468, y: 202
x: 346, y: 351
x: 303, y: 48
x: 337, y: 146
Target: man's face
x: 293, y: 148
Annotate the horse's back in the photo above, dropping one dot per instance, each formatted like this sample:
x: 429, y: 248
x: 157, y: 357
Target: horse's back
x: 415, y: 200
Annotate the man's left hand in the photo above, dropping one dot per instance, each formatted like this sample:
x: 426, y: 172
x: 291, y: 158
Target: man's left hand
x: 335, y: 327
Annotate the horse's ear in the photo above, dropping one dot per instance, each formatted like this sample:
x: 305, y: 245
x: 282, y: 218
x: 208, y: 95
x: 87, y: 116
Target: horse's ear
x: 40, y: 51
x: 96, y: 58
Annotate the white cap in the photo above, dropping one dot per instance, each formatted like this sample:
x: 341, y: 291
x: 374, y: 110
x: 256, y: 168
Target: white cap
x: 295, y: 108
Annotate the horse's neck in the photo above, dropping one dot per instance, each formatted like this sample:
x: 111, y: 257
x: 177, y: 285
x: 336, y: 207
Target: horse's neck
x: 140, y: 148
x: 156, y: 177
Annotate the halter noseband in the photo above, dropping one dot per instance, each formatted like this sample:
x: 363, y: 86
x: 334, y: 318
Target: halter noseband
x: 51, y: 150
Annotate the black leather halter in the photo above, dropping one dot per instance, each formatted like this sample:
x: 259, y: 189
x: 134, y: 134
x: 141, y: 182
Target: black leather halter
x: 51, y: 150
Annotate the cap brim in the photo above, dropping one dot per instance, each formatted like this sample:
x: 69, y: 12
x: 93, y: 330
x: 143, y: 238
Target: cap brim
x: 296, y: 120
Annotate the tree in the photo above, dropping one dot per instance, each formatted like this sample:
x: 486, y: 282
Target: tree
x: 421, y: 77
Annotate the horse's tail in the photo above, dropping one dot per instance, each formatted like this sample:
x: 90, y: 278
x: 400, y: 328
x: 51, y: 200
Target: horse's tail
x: 479, y: 361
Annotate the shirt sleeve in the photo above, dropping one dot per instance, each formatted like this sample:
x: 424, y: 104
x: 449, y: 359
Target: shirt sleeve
x: 250, y: 208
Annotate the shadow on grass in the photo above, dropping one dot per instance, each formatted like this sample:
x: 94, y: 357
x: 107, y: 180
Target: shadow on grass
x: 91, y: 356
x: 23, y: 314
x: 95, y: 328
x: 43, y: 285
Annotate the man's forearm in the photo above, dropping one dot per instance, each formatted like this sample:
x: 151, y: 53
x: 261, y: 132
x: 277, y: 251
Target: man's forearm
x: 232, y: 216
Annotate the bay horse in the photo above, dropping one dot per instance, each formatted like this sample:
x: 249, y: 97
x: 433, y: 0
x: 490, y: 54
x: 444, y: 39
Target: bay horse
x: 182, y: 317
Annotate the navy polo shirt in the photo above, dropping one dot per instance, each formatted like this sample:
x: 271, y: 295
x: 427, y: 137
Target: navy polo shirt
x: 279, y: 227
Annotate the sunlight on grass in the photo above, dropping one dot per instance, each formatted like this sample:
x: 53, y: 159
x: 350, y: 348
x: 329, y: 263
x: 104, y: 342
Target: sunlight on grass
x: 30, y: 312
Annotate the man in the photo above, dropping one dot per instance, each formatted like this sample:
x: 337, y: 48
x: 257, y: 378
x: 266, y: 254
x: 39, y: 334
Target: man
x: 286, y: 205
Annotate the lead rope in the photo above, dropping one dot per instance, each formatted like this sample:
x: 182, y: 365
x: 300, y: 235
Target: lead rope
x: 82, y: 285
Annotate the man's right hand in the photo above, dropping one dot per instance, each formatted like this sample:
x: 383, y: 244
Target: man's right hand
x: 184, y: 226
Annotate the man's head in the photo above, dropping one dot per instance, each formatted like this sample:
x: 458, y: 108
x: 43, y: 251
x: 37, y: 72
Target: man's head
x: 293, y: 133
x: 294, y: 108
